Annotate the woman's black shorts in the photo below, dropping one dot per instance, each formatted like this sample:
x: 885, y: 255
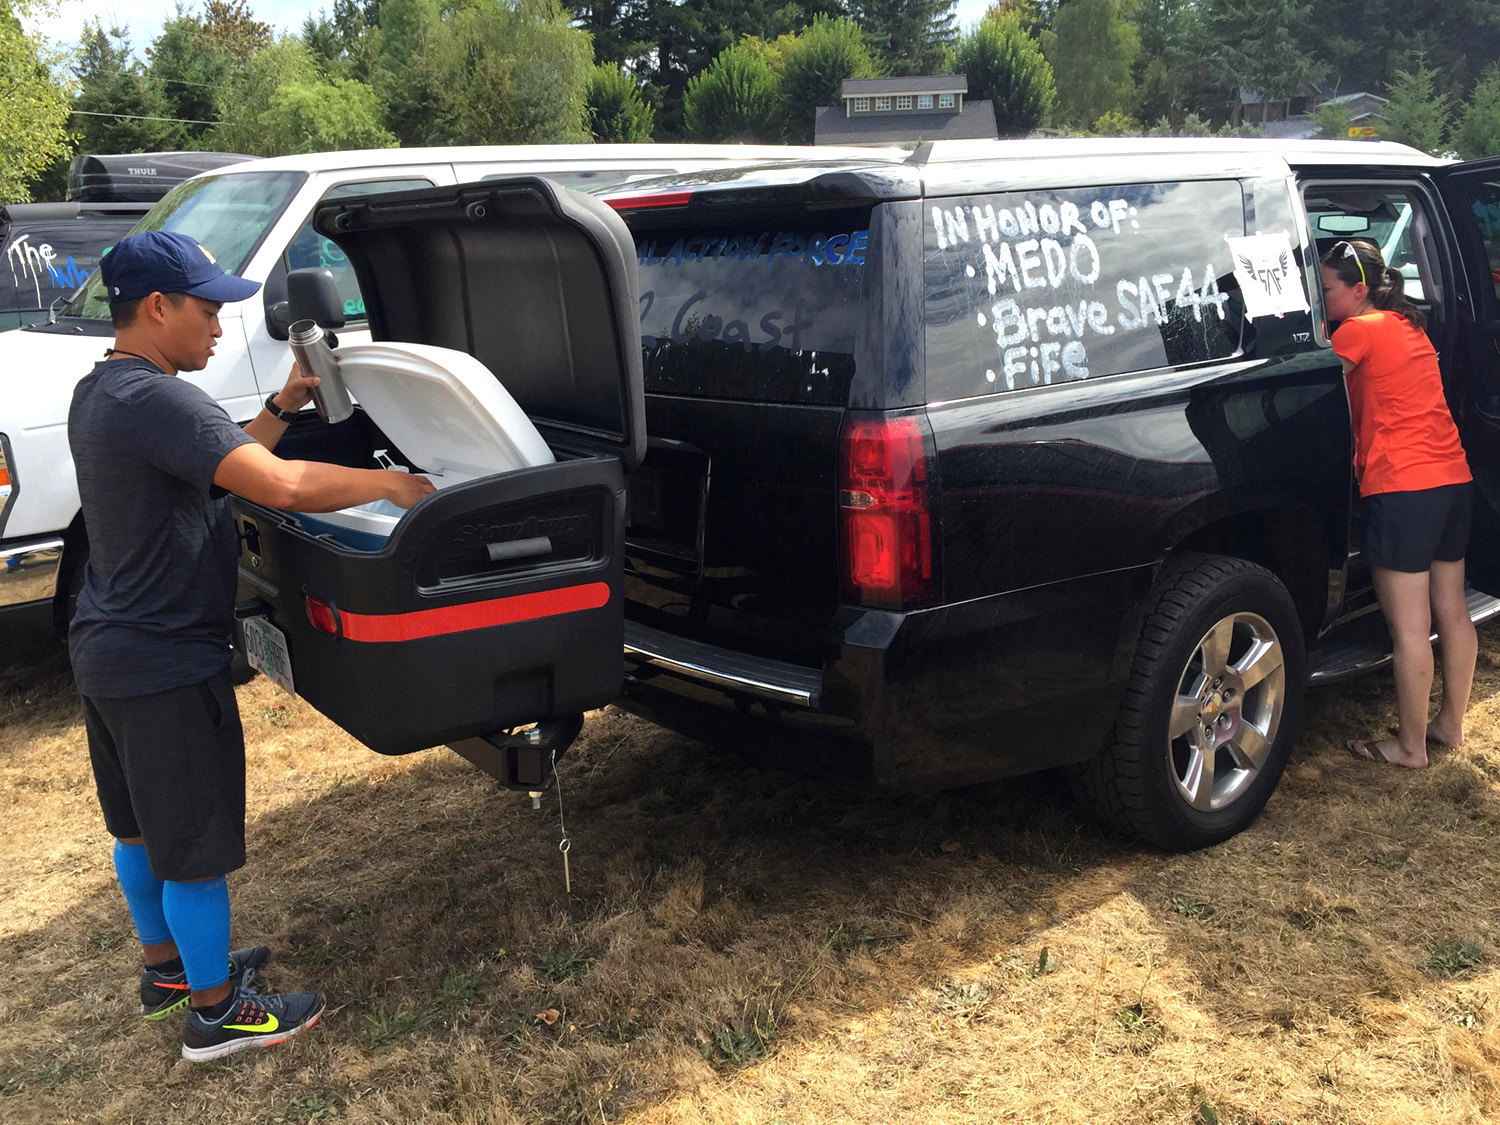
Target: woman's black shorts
x: 1411, y: 530
x: 170, y: 768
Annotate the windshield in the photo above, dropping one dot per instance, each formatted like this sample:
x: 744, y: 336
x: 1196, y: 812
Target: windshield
x: 227, y: 214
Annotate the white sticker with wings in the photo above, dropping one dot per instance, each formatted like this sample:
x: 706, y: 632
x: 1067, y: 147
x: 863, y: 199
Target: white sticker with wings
x: 1266, y: 269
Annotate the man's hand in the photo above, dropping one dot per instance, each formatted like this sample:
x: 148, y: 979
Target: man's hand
x: 298, y: 390
x: 407, y: 488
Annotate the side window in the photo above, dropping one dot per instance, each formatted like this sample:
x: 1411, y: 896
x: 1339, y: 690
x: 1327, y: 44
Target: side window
x: 1024, y: 290
x: 310, y: 248
x: 1484, y: 201
x: 1394, y: 219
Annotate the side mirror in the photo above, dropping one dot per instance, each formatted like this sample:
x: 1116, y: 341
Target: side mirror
x: 313, y: 295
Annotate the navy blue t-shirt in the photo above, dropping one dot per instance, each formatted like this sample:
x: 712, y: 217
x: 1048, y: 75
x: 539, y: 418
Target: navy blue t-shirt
x: 158, y: 596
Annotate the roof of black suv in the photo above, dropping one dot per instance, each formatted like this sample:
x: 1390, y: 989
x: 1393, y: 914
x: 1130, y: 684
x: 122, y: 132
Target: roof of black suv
x: 945, y: 167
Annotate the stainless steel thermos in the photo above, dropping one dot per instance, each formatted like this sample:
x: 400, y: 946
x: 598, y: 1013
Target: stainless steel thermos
x: 310, y: 346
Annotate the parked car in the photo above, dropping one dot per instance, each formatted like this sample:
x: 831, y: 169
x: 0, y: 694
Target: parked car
x: 1007, y: 457
x: 255, y: 218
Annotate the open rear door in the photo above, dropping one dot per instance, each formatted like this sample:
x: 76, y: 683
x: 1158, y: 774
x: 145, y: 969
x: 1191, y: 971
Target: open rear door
x: 497, y: 600
x: 1472, y: 194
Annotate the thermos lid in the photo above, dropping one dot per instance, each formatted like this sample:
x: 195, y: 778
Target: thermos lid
x: 442, y: 408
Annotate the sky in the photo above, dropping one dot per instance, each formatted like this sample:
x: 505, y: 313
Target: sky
x: 144, y: 17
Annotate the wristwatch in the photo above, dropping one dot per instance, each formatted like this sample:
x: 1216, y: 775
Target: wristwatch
x: 276, y: 412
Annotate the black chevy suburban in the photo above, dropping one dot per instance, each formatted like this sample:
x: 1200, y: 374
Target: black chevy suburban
x: 1007, y: 456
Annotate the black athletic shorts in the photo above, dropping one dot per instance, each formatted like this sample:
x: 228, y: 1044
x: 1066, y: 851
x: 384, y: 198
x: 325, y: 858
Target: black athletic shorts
x: 170, y: 768
x: 1411, y: 530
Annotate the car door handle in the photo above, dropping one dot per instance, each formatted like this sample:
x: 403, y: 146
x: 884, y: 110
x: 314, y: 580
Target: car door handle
x: 518, y: 549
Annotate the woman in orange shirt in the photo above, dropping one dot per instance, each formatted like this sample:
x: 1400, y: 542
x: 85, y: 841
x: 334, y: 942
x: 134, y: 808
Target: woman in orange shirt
x: 1415, y: 495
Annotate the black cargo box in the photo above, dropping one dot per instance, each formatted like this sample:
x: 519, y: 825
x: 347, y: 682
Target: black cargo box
x: 496, y: 602
x: 142, y: 177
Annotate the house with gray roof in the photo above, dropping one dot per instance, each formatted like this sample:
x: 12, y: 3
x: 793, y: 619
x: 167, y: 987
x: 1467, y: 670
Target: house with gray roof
x: 887, y: 111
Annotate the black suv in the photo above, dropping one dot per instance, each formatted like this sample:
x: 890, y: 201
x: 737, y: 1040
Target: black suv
x: 1005, y: 457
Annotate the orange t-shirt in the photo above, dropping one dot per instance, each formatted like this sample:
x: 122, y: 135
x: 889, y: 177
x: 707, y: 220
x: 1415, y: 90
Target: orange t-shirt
x: 1404, y: 436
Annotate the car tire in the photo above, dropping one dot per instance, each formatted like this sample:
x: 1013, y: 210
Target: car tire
x: 1210, y: 711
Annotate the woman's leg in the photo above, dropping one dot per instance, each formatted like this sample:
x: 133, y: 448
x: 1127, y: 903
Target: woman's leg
x: 1405, y: 600
x: 1460, y: 648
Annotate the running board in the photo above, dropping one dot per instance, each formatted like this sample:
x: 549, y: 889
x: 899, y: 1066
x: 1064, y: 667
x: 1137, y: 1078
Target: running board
x: 1340, y: 659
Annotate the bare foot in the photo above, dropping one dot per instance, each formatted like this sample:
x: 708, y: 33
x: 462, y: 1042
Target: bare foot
x: 1389, y: 751
x: 1443, y: 734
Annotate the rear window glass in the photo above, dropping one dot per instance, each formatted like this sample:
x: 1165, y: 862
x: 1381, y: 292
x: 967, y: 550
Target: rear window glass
x: 1029, y: 289
x: 46, y: 261
x: 762, y: 313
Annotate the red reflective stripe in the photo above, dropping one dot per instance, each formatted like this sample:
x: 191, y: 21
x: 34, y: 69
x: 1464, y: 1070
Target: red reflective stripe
x: 384, y: 627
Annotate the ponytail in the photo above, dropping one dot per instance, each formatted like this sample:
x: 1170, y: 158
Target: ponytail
x: 1358, y: 260
x: 1390, y: 294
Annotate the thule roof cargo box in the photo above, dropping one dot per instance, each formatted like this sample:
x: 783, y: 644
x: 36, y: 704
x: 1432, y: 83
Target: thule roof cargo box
x: 142, y: 177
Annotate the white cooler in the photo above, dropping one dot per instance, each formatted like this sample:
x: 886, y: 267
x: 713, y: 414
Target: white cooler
x: 444, y: 410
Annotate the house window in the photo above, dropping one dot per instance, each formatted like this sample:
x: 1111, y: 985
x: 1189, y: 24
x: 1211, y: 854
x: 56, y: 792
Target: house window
x: 861, y: 105
x: 882, y: 103
x: 924, y: 101
x: 903, y: 102
x: 945, y: 101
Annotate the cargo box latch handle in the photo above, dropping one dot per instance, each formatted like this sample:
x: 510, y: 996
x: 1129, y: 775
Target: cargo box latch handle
x: 518, y: 549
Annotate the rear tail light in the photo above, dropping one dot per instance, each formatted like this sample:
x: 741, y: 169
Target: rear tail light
x: 885, y: 512
x: 649, y: 200
x: 321, y: 615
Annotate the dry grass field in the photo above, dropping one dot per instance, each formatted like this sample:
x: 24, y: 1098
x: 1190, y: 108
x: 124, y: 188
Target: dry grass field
x: 742, y: 946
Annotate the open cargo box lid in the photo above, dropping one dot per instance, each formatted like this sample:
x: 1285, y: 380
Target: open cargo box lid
x: 536, y: 282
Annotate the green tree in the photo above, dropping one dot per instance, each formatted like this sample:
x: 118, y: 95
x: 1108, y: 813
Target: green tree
x: 324, y: 117
x: 908, y: 36
x: 1171, y: 77
x: 1415, y: 115
x: 33, y: 127
x: 1003, y: 63
x: 1261, y: 45
x: 1092, y: 47
x: 735, y: 99
x: 190, y: 71
x: 1477, y: 132
x: 813, y: 67
x: 1334, y: 121
x: 117, y: 108
x: 617, y: 111
x: 247, y: 96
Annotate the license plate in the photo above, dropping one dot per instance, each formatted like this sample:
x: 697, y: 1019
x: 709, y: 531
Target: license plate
x: 265, y: 648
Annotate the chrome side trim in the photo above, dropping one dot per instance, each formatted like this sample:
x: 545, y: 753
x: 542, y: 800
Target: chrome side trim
x: 709, y: 664
x: 28, y: 571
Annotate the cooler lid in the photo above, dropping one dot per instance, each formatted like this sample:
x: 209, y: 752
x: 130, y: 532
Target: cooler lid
x: 535, y: 281
x: 442, y: 408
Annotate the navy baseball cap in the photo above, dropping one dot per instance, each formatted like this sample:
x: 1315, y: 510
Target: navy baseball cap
x: 166, y: 261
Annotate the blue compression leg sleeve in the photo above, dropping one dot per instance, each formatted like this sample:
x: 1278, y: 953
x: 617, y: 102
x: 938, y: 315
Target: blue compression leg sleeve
x: 142, y: 893
x: 198, y: 914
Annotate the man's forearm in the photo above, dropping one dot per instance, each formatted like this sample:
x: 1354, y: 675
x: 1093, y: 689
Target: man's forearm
x: 316, y: 487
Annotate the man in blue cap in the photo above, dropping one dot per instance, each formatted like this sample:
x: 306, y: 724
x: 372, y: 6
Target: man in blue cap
x: 156, y: 457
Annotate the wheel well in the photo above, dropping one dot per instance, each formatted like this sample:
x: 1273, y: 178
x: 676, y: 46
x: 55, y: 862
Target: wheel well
x: 1289, y: 541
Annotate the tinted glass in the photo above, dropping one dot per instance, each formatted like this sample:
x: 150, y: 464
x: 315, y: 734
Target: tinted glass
x: 310, y: 248
x: 1484, y: 201
x: 1045, y: 287
x: 228, y: 215
x: 765, y: 313
x: 46, y: 261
